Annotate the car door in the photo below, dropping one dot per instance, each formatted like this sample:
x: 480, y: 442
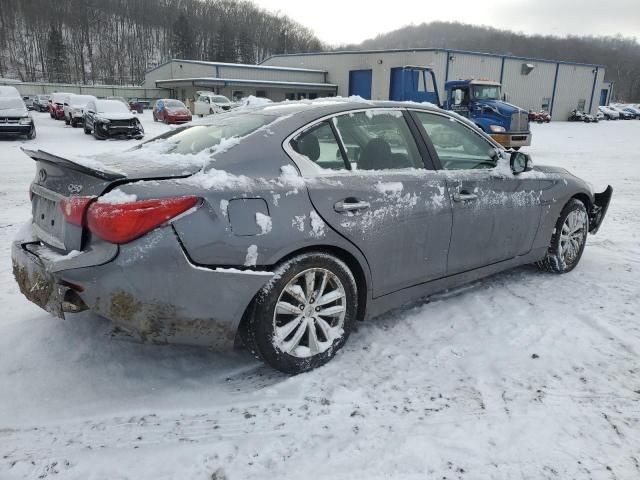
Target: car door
x: 372, y: 187
x: 495, y: 214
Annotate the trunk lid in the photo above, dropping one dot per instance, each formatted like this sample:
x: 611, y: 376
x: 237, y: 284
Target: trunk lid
x: 57, y: 178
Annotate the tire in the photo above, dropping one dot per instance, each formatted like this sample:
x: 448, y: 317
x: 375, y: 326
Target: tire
x: 87, y: 131
x: 340, y: 294
x: 557, y: 259
x: 155, y: 119
x: 32, y: 134
x: 66, y: 120
x: 74, y: 123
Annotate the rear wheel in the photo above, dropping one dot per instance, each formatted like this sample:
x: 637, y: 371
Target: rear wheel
x: 66, y: 120
x: 301, y: 319
x: 568, y: 239
x: 32, y: 133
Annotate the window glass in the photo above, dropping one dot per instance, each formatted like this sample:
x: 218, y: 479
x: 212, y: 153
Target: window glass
x: 456, y: 145
x: 320, y: 146
x: 378, y: 140
x: 197, y: 138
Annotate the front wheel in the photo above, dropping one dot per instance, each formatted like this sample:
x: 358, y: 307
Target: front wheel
x: 300, y: 320
x: 568, y: 239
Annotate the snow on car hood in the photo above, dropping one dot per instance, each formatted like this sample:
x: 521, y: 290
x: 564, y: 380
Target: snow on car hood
x: 117, y: 116
x: 13, y: 112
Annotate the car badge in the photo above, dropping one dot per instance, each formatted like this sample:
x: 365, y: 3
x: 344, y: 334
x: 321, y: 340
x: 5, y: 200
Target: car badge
x: 42, y: 175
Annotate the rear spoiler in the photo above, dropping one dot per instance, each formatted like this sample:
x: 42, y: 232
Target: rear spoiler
x: 40, y: 156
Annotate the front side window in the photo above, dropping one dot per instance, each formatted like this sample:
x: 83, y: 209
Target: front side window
x: 378, y: 139
x: 319, y: 145
x: 458, y: 147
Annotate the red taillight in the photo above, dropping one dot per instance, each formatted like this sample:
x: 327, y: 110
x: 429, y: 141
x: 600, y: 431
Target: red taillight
x: 124, y: 222
x: 74, y: 208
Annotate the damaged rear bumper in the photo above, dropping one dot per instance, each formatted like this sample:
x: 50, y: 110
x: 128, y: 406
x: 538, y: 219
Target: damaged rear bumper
x: 150, y: 290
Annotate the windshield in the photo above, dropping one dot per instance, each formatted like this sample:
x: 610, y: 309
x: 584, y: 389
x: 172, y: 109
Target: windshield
x: 10, y: 103
x: 111, y: 106
x: 174, y: 104
x: 195, y: 139
x: 220, y: 99
x: 486, y: 92
x: 80, y: 99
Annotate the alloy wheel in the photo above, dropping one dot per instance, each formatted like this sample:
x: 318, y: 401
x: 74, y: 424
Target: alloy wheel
x: 573, y: 235
x: 310, y: 312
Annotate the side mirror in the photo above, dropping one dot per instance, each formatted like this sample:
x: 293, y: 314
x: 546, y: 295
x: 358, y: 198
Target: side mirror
x: 520, y: 162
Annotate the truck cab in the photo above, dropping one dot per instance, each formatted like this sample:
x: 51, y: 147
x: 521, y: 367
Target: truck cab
x: 481, y: 102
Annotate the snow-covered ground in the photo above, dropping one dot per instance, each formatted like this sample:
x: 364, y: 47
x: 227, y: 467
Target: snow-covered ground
x: 525, y: 375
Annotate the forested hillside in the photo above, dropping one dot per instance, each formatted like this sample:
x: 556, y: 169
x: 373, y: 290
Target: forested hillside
x: 116, y: 41
x: 620, y: 55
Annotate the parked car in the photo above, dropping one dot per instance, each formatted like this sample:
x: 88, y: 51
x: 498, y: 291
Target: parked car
x: 111, y: 118
x: 599, y: 115
x: 168, y: 110
x: 135, y: 105
x: 56, y: 107
x: 15, y: 119
x: 259, y: 224
x: 74, y: 109
x: 624, y: 115
x: 208, y: 103
x: 609, y: 113
x: 589, y: 118
x: 635, y: 111
x: 539, y: 117
x: 7, y: 91
x: 41, y: 103
x: 28, y: 101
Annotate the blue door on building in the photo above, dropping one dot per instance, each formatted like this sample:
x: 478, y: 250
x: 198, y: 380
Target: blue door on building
x: 360, y: 83
x: 603, y: 96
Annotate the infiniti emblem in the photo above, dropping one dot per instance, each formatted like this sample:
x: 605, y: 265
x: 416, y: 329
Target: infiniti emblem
x: 42, y: 175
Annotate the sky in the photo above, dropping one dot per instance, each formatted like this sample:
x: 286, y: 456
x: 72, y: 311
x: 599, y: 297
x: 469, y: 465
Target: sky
x: 339, y: 22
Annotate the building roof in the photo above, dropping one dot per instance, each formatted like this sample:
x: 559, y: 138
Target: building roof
x: 222, y: 82
x: 238, y: 65
x: 424, y: 49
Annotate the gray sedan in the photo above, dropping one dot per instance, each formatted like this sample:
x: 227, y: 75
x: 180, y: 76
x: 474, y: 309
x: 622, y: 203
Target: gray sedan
x: 282, y: 226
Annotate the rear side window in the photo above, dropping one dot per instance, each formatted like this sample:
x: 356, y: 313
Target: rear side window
x: 378, y: 139
x: 197, y: 138
x: 319, y: 145
x: 458, y: 147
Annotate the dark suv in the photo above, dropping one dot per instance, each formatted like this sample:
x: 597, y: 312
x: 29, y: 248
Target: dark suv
x: 111, y: 118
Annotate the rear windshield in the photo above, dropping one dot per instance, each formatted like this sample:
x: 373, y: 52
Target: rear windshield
x: 194, y: 139
x: 174, y: 103
x: 10, y: 103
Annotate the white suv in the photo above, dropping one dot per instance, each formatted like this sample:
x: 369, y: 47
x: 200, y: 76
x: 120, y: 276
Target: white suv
x: 74, y: 106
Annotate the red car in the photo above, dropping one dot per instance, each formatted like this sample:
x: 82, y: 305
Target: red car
x: 56, y: 105
x: 539, y: 117
x: 168, y: 110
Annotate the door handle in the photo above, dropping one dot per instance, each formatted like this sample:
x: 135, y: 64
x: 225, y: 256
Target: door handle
x: 350, y: 206
x: 464, y: 196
